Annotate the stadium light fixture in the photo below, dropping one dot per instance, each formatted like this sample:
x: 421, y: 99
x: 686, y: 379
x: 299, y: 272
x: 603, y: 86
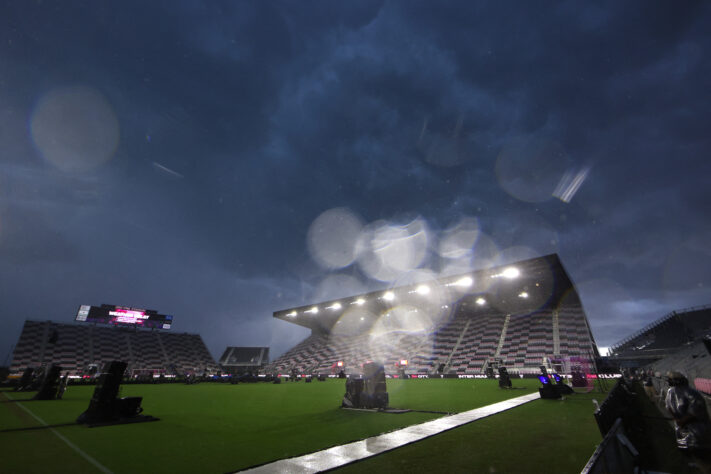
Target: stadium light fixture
x: 523, y: 294
x: 423, y: 289
x: 335, y: 306
x: 388, y: 296
x: 464, y: 282
x: 480, y: 301
x: 292, y: 314
x: 511, y: 273
x: 359, y: 302
x: 313, y: 310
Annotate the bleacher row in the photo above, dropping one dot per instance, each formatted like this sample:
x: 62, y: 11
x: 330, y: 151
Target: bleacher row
x: 465, y: 344
x: 693, y: 360
x: 668, y: 332
x: 75, y: 346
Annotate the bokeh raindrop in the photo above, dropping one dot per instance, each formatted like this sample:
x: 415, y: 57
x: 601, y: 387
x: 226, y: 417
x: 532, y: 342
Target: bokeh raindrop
x: 75, y: 128
x: 530, y: 168
x: 332, y: 238
x: 386, y: 251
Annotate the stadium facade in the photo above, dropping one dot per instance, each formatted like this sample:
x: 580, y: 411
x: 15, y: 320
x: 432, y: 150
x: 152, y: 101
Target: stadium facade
x: 521, y: 316
x: 79, y: 347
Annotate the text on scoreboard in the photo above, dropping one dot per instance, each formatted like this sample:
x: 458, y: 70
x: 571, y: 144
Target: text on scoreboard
x: 123, y: 315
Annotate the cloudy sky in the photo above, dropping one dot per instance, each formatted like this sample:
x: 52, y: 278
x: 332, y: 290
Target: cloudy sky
x: 219, y: 161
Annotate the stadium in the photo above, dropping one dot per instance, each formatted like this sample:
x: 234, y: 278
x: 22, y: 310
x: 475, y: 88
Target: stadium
x: 442, y: 349
x: 522, y: 316
x: 248, y: 236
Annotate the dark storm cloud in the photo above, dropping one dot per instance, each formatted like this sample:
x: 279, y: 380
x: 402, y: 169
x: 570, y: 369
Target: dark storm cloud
x: 241, y: 122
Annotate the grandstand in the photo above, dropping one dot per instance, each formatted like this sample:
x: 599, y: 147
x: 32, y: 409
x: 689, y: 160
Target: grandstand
x: 521, y: 315
x: 663, y: 337
x: 76, y: 347
x: 238, y: 360
x: 693, y: 360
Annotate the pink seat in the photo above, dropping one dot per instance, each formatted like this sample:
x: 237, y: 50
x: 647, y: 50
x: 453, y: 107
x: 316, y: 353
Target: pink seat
x: 703, y: 385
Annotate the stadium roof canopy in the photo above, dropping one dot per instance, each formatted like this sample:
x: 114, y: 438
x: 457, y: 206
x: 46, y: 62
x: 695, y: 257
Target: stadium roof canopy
x: 523, y: 286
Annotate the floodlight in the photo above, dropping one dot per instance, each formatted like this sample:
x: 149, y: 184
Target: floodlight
x: 511, y: 273
x: 423, y: 289
x: 464, y: 281
x: 313, y: 310
x: 359, y: 302
x: 523, y: 294
x: 389, y: 296
x: 292, y: 314
x: 335, y: 306
x: 480, y: 301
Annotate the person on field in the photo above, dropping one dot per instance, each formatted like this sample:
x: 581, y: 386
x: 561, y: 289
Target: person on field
x: 691, y: 420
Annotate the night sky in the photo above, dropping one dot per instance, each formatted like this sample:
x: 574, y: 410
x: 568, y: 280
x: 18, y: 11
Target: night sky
x: 218, y: 161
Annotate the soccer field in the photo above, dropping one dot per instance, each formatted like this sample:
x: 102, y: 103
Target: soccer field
x: 221, y: 428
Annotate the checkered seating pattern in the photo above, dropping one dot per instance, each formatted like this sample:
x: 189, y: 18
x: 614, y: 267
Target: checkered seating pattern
x: 547, y: 323
x: 108, y: 345
x: 188, y: 354
x: 307, y: 353
x: 574, y: 336
x: 29, y: 347
x: 75, y: 346
x: 446, y: 338
x: 528, y: 339
x: 147, y: 351
x: 319, y: 352
x: 479, y: 343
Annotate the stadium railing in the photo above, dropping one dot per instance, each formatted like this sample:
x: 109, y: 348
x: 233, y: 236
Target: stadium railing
x: 613, y: 407
x: 614, y: 454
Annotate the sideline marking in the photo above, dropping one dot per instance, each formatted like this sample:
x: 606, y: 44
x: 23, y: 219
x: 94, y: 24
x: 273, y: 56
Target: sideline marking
x: 347, y: 453
x: 76, y: 448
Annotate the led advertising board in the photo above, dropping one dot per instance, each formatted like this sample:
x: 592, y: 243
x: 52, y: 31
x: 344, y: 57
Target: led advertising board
x: 124, y: 316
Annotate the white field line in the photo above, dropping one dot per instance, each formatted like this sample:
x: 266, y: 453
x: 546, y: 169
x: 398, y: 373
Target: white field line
x: 76, y: 448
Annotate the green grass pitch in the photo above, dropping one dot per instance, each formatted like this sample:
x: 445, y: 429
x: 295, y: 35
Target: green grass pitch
x: 221, y: 428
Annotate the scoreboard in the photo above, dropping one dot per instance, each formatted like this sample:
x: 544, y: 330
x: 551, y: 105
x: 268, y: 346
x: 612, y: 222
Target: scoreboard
x: 124, y: 316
